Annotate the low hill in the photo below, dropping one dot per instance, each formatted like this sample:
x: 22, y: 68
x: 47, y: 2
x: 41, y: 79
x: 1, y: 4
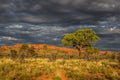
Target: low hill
x: 40, y: 47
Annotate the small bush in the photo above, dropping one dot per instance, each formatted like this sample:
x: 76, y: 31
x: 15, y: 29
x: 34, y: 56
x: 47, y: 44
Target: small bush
x: 57, y: 78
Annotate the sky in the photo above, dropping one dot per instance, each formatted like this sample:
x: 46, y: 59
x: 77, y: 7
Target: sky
x: 47, y: 21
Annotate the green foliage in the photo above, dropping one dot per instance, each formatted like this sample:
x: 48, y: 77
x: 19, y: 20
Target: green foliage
x: 24, y: 47
x: 26, y: 51
x: 118, y: 57
x: 23, y: 52
x: 13, y: 54
x: 57, y: 78
x: 45, y: 47
x: 31, y: 52
x: 76, y: 76
x: 91, y: 50
x: 53, y: 57
x: 81, y: 39
x: 25, y: 76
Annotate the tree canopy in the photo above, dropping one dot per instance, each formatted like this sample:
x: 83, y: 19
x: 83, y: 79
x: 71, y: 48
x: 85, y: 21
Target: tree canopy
x: 81, y: 39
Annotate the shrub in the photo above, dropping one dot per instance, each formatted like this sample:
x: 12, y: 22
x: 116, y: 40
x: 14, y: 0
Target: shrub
x: 57, y: 78
x: 13, y: 54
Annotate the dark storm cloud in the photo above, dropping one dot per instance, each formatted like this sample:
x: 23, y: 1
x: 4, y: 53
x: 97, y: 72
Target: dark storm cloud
x: 51, y: 11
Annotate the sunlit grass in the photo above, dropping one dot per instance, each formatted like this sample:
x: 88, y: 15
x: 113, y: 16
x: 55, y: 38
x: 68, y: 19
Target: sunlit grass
x: 76, y: 69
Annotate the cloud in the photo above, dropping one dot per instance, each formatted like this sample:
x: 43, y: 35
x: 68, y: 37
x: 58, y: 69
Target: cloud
x: 8, y: 38
x: 58, y: 11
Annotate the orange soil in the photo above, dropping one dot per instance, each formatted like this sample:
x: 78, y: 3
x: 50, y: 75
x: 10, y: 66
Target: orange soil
x: 44, y: 77
x: 60, y: 73
x: 40, y: 46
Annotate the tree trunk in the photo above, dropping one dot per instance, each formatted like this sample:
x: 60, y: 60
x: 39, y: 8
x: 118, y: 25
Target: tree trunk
x: 79, y: 53
x: 79, y: 49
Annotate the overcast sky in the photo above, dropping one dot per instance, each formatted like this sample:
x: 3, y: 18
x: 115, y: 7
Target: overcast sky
x: 46, y: 21
x: 59, y: 11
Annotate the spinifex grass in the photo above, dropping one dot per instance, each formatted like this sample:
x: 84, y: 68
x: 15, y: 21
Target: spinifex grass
x: 75, y: 69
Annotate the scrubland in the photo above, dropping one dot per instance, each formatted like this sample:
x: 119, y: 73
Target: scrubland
x: 51, y: 64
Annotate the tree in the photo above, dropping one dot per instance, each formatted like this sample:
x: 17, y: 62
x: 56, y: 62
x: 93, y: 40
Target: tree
x: 45, y: 47
x: 13, y: 54
x: 24, y: 47
x: 31, y: 52
x: 81, y: 39
x: 23, y: 52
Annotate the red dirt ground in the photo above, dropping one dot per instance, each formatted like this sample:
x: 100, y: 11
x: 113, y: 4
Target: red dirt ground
x: 52, y: 47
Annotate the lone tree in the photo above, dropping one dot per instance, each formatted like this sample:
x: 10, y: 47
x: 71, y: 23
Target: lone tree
x: 81, y: 39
